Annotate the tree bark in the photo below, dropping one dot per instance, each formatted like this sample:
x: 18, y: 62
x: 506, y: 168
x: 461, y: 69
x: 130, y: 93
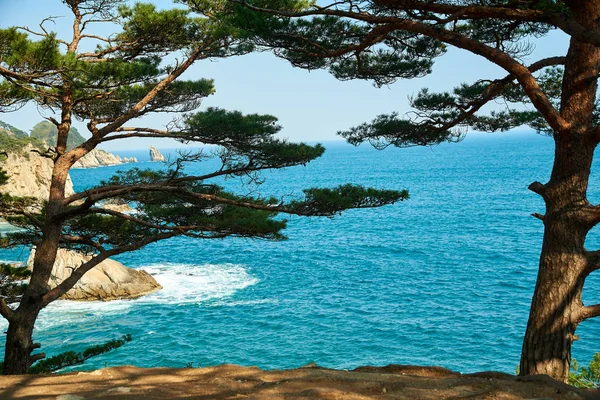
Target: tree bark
x: 557, y: 307
x: 19, y: 342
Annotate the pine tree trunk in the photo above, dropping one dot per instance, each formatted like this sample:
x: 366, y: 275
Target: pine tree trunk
x: 19, y: 343
x: 556, y: 307
x: 556, y: 304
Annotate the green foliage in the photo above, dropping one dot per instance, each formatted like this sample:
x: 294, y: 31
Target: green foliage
x: 218, y: 126
x: 71, y: 358
x: 3, y: 177
x: 46, y: 132
x: 10, y: 205
x: 11, y: 282
x: 7, y: 129
x: 586, y: 377
x: 158, y: 31
x: 392, y: 129
x: 14, y: 272
x: 247, y: 138
x: 214, y: 7
x: 126, y: 77
x: 12, y: 291
x: 22, y: 54
x: 372, y: 40
x: 182, y: 96
x: 16, y: 144
x: 327, y: 202
x: 315, y: 44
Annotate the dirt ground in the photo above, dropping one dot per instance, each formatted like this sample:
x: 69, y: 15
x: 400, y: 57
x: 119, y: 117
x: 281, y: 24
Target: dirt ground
x: 311, y: 382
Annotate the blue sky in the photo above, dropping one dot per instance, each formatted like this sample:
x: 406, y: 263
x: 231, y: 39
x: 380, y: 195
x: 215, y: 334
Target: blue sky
x: 311, y: 106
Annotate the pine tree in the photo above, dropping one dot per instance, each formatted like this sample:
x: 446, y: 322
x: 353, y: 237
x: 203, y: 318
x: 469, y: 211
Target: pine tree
x: 110, y: 88
x: 385, y: 40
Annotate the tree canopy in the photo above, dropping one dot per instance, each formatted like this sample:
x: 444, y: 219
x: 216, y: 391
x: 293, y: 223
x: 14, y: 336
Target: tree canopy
x: 134, y: 72
x: 387, y: 40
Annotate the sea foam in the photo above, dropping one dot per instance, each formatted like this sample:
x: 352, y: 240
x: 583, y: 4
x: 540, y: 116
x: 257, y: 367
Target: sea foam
x: 182, y: 284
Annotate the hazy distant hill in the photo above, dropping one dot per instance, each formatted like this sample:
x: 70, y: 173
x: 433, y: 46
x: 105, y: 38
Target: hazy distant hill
x: 10, y: 130
x: 15, y: 140
x: 46, y: 132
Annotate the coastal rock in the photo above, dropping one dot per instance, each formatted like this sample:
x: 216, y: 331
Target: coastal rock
x: 122, y: 208
x: 101, y: 158
x: 109, y: 280
x: 155, y: 155
x: 29, y: 175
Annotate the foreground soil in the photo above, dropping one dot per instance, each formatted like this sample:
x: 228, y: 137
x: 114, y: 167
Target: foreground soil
x: 311, y: 382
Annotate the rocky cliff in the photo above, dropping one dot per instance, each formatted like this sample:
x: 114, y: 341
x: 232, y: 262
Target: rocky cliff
x: 109, y: 280
x: 29, y: 174
x: 101, y: 158
x: 155, y: 155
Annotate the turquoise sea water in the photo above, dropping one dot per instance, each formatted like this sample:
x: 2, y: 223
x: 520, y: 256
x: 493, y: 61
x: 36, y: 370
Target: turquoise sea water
x: 443, y: 279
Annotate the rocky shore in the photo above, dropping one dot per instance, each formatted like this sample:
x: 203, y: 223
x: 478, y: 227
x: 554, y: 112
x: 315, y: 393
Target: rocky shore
x: 29, y: 175
x: 109, y: 280
x: 100, y: 158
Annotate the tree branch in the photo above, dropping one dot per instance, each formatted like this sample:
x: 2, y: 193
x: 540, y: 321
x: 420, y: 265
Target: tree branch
x: 82, y: 240
x: 593, y: 262
x: 118, y: 190
x: 88, y: 36
x: 6, y: 311
x: 519, y: 71
x: 109, y: 191
x: 494, y: 90
x: 538, y: 216
x: 29, y: 78
x: 147, y: 132
x: 136, y: 108
x: 475, y: 12
x: 538, y: 187
x: 36, y: 357
x: 559, y: 20
x: 33, y: 219
x: 590, y: 311
x: 177, y: 228
x: 385, y: 25
x: 110, y: 50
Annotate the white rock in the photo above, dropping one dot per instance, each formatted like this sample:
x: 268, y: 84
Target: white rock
x: 29, y: 175
x: 109, y: 280
x: 155, y: 155
x: 101, y: 158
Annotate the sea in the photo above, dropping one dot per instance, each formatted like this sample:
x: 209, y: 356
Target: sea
x: 444, y: 278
